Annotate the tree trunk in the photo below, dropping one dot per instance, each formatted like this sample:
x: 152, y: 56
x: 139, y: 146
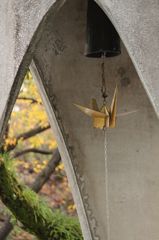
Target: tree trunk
x: 6, y: 228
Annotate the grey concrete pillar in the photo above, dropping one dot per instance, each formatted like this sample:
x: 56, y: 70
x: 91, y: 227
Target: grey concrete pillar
x: 22, y: 24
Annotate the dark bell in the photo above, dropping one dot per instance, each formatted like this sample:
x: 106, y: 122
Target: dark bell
x: 101, y: 36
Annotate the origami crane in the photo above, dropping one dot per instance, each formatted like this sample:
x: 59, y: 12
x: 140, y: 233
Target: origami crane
x: 104, y: 117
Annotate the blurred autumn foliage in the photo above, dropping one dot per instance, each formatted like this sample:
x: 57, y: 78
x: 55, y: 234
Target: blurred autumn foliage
x: 30, y: 141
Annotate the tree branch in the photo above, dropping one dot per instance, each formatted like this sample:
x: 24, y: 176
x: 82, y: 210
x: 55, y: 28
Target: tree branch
x: 6, y: 228
x: 27, y: 135
x: 2, y: 219
x: 23, y: 204
x: 29, y: 99
x: 35, y: 150
x: 32, y: 132
x: 6, y: 131
x: 40, y: 180
x: 43, y: 176
x: 31, y: 212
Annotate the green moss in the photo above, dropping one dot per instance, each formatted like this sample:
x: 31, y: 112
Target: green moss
x: 34, y: 214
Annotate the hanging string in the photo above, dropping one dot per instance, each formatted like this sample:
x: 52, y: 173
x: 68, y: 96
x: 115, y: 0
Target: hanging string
x: 104, y: 95
x: 104, y: 87
x: 106, y: 179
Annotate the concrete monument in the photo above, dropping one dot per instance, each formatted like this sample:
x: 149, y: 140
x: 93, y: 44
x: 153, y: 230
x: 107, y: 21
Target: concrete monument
x: 55, y: 44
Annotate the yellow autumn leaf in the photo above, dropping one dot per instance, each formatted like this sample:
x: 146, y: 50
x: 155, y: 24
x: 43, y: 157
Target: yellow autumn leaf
x: 14, y: 141
x: 5, y: 147
x: 17, y: 163
x: 52, y: 145
x: 61, y: 166
x: 45, y: 162
x: 13, y: 114
x: 30, y: 75
x: 39, y: 102
x: 73, y: 207
x: 7, y: 141
x: 37, y: 170
x: 46, y: 125
x: 38, y: 166
x: 56, y: 169
x: 69, y: 207
x: 26, y: 165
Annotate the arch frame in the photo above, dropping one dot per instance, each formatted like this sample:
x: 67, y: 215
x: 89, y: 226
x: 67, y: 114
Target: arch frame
x: 15, y: 84
x: 146, y: 70
x: 65, y: 152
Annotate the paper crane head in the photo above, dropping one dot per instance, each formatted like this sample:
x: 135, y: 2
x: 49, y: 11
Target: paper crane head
x: 104, y: 117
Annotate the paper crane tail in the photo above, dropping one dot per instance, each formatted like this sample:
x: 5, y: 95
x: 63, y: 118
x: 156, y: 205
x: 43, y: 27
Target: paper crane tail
x: 126, y: 113
x: 113, y: 109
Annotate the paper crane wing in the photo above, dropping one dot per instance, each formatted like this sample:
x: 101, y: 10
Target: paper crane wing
x: 90, y: 112
x: 94, y: 104
x: 126, y: 113
x: 113, y: 109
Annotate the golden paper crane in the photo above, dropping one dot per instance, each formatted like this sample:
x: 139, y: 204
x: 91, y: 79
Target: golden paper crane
x: 105, y: 117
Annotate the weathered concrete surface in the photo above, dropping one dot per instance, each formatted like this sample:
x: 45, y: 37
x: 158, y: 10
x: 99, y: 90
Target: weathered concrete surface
x: 68, y: 78
x: 137, y: 23
x: 21, y: 25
